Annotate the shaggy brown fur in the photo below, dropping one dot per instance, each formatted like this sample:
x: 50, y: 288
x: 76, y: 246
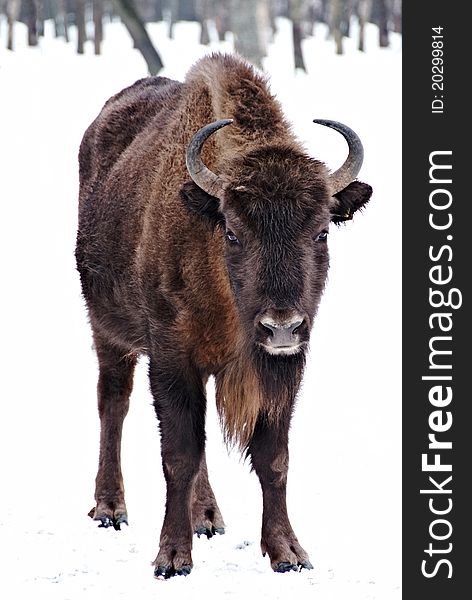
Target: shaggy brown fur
x: 187, y: 278
x: 239, y: 398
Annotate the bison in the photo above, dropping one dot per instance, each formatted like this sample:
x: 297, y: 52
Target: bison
x: 208, y: 253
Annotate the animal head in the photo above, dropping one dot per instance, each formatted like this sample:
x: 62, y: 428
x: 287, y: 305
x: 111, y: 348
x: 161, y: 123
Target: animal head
x: 274, y: 205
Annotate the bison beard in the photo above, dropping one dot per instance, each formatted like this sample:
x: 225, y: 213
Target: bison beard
x: 256, y: 385
x: 183, y: 271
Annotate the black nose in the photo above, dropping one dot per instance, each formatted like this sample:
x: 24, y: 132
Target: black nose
x: 282, y: 334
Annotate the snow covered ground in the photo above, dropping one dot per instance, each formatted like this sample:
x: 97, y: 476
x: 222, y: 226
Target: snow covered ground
x: 344, y: 484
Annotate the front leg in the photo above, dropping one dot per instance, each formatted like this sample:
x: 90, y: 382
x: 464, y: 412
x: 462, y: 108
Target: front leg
x: 180, y: 405
x: 269, y: 456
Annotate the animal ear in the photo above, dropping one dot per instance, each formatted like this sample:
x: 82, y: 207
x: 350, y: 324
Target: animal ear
x: 198, y: 201
x: 347, y: 201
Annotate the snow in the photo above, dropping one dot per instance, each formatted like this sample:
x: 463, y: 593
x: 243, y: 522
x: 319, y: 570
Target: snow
x: 344, y: 492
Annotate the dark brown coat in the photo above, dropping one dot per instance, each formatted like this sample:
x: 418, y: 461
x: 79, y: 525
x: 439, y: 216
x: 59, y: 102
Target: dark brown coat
x: 202, y: 284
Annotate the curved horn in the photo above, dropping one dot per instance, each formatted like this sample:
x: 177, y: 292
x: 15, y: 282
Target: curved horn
x: 353, y: 163
x: 201, y: 175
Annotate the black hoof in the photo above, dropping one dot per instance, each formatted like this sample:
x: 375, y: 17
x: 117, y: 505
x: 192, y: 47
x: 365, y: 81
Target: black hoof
x: 306, y: 565
x: 123, y: 520
x: 168, y: 572
x: 115, y: 523
x: 163, y: 572
x: 284, y: 567
x: 209, y: 532
x: 203, y: 531
x: 105, y: 522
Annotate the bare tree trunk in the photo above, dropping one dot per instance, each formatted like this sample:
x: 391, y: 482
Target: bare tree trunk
x: 98, y: 25
x: 383, y: 13
x: 30, y: 12
x: 63, y: 11
x: 297, y: 46
x: 296, y: 12
x: 397, y: 16
x: 336, y: 24
x: 346, y: 17
x: 137, y: 30
x: 56, y: 16
x: 365, y: 7
x: 12, y: 10
x: 249, y: 21
x: 57, y: 23
x: 60, y: 19
x: 325, y: 16
x: 312, y: 17
x: 221, y: 12
x: 80, y: 22
x: 272, y: 21
x: 202, y: 8
x: 172, y: 9
x: 39, y: 17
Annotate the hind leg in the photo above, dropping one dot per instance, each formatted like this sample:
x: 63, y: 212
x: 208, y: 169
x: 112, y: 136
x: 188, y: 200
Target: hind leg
x: 206, y: 516
x: 114, y: 388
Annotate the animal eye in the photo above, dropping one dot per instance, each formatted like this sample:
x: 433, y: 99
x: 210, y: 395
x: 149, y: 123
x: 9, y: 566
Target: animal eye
x: 322, y: 237
x: 231, y: 237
